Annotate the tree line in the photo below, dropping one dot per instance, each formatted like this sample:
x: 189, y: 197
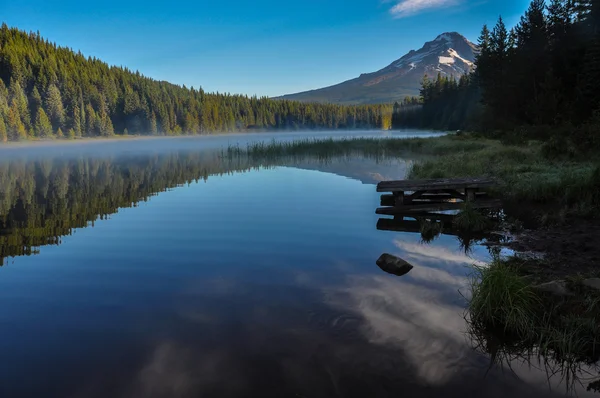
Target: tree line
x: 545, y: 71
x: 49, y: 91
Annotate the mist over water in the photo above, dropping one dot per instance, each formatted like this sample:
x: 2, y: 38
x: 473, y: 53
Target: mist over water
x: 159, y: 268
x: 132, y: 145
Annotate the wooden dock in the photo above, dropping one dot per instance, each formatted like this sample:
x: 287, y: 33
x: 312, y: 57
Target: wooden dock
x: 435, y: 195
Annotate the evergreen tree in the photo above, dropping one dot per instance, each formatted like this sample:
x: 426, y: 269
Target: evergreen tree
x: 105, y: 126
x: 90, y: 120
x: 43, y: 126
x: 35, y: 101
x: 531, y: 62
x: 153, y: 124
x: 76, y: 117
x: 3, y: 132
x: 54, y: 105
x: 14, y: 126
x: 17, y: 95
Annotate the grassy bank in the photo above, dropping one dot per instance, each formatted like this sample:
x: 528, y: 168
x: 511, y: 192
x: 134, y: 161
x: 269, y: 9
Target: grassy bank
x: 511, y: 319
x: 524, y: 173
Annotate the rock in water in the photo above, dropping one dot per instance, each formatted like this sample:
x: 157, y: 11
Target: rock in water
x: 393, y: 265
x: 594, y: 283
x: 557, y: 288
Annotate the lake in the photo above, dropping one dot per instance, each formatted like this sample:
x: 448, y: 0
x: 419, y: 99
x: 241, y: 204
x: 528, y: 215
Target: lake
x: 158, y: 268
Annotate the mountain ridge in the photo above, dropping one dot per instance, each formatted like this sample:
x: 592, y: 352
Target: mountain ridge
x: 449, y: 54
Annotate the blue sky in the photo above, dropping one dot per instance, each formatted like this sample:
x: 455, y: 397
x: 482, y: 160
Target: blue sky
x: 263, y: 47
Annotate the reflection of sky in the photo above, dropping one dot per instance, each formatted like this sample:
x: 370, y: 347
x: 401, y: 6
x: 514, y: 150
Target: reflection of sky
x: 261, y: 283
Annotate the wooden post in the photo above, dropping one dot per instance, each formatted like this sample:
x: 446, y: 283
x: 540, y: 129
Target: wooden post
x: 470, y: 194
x: 399, y: 197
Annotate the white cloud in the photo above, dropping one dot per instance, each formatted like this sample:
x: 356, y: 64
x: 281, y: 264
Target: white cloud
x: 406, y: 8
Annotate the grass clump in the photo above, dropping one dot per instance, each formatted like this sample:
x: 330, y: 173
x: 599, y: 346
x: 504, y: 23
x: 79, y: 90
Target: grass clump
x: 501, y: 298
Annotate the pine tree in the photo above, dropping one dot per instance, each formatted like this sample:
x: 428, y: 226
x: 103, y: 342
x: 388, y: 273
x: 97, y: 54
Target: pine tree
x: 531, y: 62
x: 3, y: 133
x: 14, y: 126
x: 59, y: 133
x: 76, y: 117
x: 43, y: 126
x: 90, y: 120
x: 82, y: 120
x: 35, y: 102
x: 17, y: 94
x: 153, y: 125
x: 105, y: 126
x: 54, y: 105
x: 71, y: 134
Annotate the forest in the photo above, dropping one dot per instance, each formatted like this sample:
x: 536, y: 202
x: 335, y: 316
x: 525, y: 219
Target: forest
x: 48, y: 91
x: 538, y: 79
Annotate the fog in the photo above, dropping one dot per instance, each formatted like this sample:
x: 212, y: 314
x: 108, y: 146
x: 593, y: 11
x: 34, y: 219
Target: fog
x: 150, y: 144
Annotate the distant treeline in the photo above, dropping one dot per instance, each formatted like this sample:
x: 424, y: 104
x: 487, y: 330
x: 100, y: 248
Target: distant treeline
x: 543, y: 72
x: 49, y: 91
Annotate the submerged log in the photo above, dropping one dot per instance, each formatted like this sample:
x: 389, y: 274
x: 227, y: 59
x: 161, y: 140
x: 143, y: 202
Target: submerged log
x: 393, y: 265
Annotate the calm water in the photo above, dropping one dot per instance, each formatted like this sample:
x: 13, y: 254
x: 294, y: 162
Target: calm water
x: 170, y: 272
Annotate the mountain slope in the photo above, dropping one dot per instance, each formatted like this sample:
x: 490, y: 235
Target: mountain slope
x: 450, y: 54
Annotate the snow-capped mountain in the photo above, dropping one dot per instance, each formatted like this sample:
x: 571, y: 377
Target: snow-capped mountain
x: 449, y: 54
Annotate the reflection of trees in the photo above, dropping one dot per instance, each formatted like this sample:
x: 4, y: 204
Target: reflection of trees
x: 42, y: 200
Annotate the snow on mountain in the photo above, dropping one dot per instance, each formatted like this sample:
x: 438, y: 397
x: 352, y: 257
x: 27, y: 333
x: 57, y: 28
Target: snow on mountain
x: 449, y: 54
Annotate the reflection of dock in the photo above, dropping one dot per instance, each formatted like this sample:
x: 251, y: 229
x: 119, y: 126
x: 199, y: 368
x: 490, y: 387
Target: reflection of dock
x: 406, y: 224
x: 434, y: 195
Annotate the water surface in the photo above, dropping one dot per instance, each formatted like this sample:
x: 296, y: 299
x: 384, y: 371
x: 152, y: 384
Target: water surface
x: 173, y: 272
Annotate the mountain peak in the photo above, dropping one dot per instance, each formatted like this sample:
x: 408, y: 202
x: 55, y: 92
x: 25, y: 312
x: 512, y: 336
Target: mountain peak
x: 449, y: 54
x: 446, y: 49
x: 449, y: 36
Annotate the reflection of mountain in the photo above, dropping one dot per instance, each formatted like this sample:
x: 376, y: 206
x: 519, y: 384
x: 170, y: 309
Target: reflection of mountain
x: 366, y: 170
x: 44, y: 199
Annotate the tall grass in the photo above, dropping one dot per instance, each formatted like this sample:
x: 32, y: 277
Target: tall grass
x: 501, y: 298
x: 377, y: 147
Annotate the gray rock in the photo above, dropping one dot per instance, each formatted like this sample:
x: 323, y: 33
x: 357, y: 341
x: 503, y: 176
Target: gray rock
x: 393, y: 265
x: 558, y: 288
x: 594, y: 283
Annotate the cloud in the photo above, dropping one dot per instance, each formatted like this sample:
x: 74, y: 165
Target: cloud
x: 407, y: 8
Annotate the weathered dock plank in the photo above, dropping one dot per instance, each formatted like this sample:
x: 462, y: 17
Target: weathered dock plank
x: 435, y: 184
x: 427, y: 207
x: 390, y: 200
